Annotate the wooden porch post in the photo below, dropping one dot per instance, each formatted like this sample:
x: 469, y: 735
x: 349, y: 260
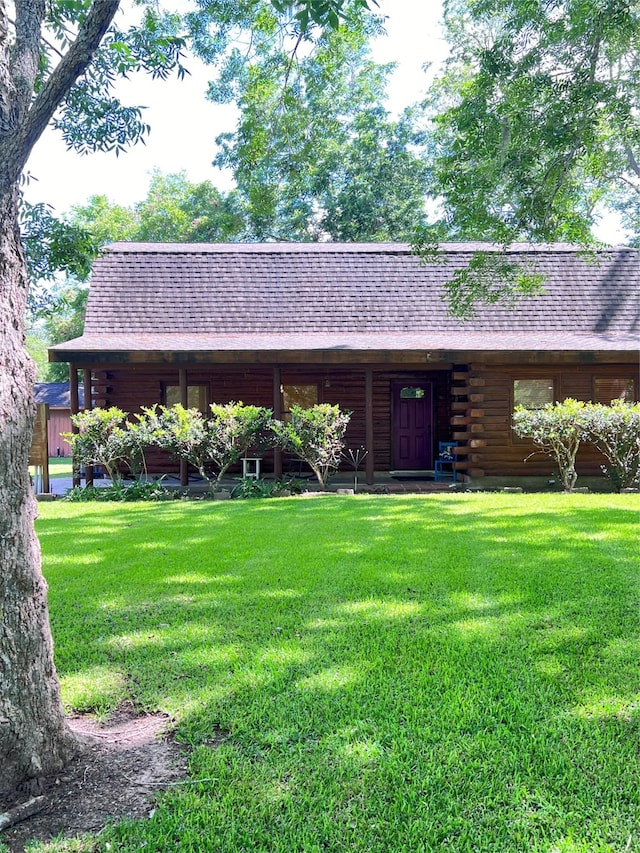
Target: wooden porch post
x: 88, y: 405
x: 73, y: 402
x: 368, y: 404
x: 184, y: 401
x: 277, y: 414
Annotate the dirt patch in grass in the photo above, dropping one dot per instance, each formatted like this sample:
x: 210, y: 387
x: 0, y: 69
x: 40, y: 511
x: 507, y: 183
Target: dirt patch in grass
x: 128, y: 761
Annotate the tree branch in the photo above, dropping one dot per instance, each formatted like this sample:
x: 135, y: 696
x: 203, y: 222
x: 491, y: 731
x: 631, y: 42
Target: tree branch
x: 22, y: 812
x: 633, y: 163
x: 74, y: 63
x: 630, y: 184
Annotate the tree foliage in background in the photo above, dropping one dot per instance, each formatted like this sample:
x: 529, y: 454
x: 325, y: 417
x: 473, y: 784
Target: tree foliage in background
x: 53, y: 246
x: 537, y: 125
x: 63, y: 322
x: 315, y: 154
x: 105, y: 221
x: 175, y: 210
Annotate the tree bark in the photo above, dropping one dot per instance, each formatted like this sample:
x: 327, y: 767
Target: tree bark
x: 34, y: 738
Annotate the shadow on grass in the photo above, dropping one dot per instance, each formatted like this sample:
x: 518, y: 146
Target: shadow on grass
x: 387, y: 674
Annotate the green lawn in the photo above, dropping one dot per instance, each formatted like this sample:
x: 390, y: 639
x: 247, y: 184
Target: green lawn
x: 425, y: 673
x: 59, y: 466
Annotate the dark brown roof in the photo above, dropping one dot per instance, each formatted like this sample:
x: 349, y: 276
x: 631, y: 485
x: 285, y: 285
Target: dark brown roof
x: 56, y: 394
x: 272, y: 296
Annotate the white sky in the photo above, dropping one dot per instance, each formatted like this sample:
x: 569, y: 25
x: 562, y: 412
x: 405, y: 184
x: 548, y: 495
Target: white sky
x: 184, y: 124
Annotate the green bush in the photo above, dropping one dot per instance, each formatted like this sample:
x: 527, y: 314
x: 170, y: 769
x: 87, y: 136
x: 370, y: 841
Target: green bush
x: 119, y: 491
x: 557, y: 431
x: 249, y: 487
x: 316, y: 436
x: 615, y: 431
x: 210, y: 443
x: 105, y: 438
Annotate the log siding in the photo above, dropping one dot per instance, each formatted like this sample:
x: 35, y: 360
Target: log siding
x: 472, y: 404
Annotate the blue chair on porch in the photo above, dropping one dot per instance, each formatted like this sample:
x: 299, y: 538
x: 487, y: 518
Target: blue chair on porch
x: 444, y: 465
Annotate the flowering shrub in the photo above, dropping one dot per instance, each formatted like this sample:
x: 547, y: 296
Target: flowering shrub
x: 105, y: 438
x: 615, y: 431
x: 557, y: 431
x: 316, y: 436
x: 211, y: 444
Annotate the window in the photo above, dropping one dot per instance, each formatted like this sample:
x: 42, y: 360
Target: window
x: 410, y: 393
x: 197, y: 396
x: 607, y: 390
x: 532, y: 393
x: 305, y: 396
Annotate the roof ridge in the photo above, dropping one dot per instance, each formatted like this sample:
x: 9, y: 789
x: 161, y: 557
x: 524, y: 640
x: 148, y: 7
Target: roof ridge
x: 344, y: 248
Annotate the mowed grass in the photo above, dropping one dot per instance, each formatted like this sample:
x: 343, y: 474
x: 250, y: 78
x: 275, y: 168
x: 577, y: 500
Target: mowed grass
x: 426, y: 673
x: 59, y: 466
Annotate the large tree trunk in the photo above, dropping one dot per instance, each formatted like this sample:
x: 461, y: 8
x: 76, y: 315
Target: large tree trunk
x: 34, y: 738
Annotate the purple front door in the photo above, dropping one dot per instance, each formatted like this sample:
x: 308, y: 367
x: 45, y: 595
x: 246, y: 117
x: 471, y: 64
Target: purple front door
x: 412, y: 418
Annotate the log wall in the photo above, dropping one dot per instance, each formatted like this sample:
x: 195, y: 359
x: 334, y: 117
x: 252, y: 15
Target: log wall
x: 482, y: 396
x: 473, y: 404
x: 130, y: 388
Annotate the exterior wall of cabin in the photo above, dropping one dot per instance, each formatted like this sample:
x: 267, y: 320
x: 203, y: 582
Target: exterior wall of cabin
x: 130, y: 388
x: 485, y: 404
x: 472, y: 404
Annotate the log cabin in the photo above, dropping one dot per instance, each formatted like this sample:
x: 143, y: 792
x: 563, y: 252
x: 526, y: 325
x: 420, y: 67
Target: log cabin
x: 365, y: 326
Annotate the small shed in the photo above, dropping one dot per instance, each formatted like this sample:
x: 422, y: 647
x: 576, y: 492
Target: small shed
x: 56, y: 395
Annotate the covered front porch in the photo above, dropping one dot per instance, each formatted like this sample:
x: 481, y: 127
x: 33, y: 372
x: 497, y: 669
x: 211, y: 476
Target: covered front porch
x: 400, y: 413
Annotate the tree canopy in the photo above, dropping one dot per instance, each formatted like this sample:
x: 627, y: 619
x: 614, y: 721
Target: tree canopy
x: 535, y: 132
x: 315, y: 153
x: 536, y: 117
x: 174, y: 210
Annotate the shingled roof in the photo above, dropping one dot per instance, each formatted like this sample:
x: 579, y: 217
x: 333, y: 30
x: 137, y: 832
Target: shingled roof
x: 302, y: 296
x: 56, y: 394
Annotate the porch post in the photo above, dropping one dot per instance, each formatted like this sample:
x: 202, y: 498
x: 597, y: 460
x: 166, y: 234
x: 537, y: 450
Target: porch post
x: 88, y: 405
x: 368, y: 405
x: 73, y: 403
x: 184, y: 402
x: 277, y: 414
